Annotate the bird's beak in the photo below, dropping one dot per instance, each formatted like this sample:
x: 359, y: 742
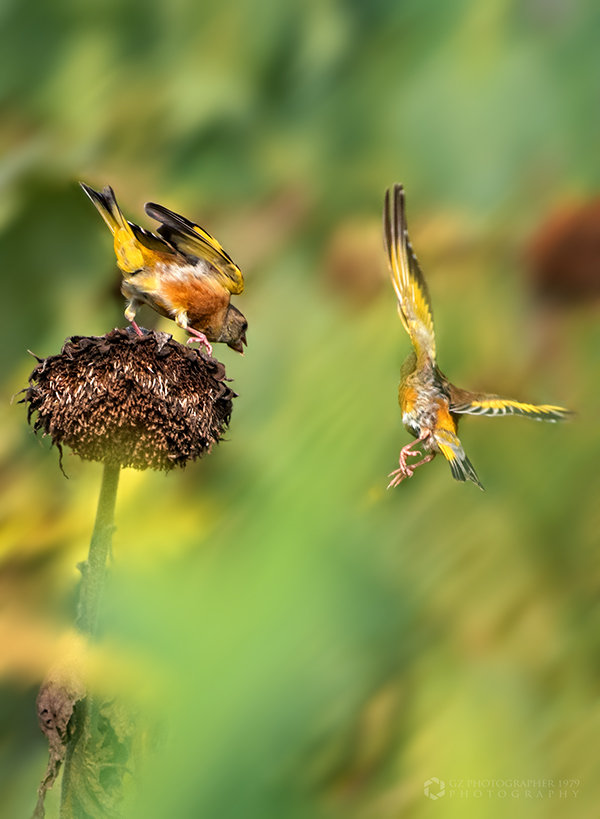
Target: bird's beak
x: 239, y: 345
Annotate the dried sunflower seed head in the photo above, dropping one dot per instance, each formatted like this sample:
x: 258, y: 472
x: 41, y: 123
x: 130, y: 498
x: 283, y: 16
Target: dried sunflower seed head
x: 140, y: 401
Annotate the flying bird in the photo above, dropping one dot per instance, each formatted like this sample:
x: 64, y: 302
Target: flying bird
x: 431, y: 405
x: 180, y: 271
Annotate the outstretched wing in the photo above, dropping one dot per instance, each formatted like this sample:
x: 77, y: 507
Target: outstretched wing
x: 414, y: 304
x: 195, y: 243
x: 469, y: 404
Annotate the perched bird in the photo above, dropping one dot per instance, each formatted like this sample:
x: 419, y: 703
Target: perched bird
x: 431, y: 406
x: 183, y: 273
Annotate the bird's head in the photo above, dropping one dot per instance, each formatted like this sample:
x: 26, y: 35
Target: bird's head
x: 234, y: 329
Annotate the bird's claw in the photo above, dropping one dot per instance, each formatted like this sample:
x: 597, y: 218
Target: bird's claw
x: 201, y: 340
x: 398, y: 475
x: 407, y: 470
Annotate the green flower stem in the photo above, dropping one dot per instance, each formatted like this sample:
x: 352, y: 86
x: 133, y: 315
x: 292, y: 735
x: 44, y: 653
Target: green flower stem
x: 82, y: 795
x: 93, y: 571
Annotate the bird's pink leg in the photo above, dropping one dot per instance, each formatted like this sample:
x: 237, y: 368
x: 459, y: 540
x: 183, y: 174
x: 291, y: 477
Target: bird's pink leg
x: 398, y: 475
x: 406, y: 451
x: 200, y: 338
x: 406, y: 470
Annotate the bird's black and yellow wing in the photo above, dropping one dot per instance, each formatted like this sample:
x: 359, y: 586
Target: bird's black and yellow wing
x: 493, y: 405
x: 414, y: 304
x: 197, y: 244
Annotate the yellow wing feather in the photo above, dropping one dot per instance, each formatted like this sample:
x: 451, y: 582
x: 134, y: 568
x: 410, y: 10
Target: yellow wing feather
x: 493, y: 405
x: 414, y: 304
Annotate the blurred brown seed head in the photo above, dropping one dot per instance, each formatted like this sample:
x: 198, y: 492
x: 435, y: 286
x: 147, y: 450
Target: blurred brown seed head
x: 354, y: 263
x: 140, y: 401
x: 563, y: 256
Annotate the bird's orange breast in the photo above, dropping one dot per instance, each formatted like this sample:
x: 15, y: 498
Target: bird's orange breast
x: 203, y: 299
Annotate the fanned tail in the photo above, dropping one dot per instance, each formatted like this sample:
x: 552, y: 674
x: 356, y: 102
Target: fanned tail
x: 461, y: 467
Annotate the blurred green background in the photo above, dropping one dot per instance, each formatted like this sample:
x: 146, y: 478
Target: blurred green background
x: 313, y: 645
